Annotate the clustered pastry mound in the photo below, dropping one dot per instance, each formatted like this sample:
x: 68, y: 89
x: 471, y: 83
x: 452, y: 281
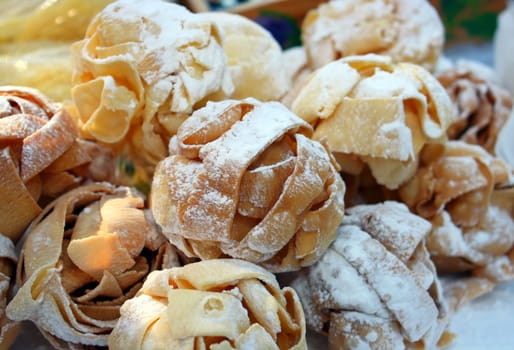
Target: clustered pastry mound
x: 406, y: 30
x: 254, y: 57
x: 41, y: 156
x: 459, y: 188
x: 141, y: 70
x: 376, y: 286
x: 244, y: 180
x: 376, y: 113
x: 84, y: 256
x: 213, y: 304
x: 482, y: 107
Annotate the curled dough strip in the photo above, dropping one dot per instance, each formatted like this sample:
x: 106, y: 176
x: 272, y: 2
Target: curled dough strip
x: 226, y: 303
x: 139, y: 73
x: 373, y: 280
x: 375, y: 112
x: 41, y: 156
x: 220, y: 156
x: 85, y: 254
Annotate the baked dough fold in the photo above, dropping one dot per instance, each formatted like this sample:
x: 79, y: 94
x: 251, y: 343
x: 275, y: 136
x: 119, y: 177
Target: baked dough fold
x: 466, y: 193
x: 40, y: 156
x: 213, y: 304
x: 141, y: 70
x: 482, y: 107
x: 244, y: 181
x: 84, y: 255
x: 406, y: 30
x: 375, y: 285
x: 374, y: 112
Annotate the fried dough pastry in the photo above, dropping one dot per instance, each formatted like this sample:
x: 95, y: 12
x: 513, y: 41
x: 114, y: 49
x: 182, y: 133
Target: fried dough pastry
x: 481, y: 106
x: 40, y: 156
x: 297, y: 70
x: 375, y: 287
x: 8, y: 259
x: 406, y: 30
x: 142, y: 70
x: 244, y: 181
x: 85, y: 254
x: 254, y: 58
x: 473, y: 229
x: 486, y: 249
x: 376, y: 113
x: 212, y: 304
x: 456, y: 177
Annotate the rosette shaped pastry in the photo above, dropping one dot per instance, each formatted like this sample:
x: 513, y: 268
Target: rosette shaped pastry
x: 243, y: 180
x: 211, y: 304
x: 375, y: 287
x: 141, y: 70
x: 254, y: 57
x: 406, y: 30
x: 376, y: 113
x: 481, y: 106
x: 8, y: 259
x: 40, y: 156
x: 84, y: 256
x: 454, y: 188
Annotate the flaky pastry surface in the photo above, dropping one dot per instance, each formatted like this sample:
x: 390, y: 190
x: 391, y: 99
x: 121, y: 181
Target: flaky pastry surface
x: 141, y: 70
x: 254, y: 58
x: 459, y: 188
x: 482, y: 107
x: 406, y: 30
x: 374, y: 112
x: 84, y: 255
x: 244, y: 181
x: 376, y: 285
x: 223, y: 304
x: 40, y: 156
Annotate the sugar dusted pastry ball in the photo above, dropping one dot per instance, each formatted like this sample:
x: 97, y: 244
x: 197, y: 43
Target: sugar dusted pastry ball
x: 482, y: 106
x: 244, y: 180
x: 254, y: 57
x: 141, y: 70
x: 454, y: 188
x: 85, y: 254
x: 374, y: 112
x: 406, y: 30
x: 214, y: 304
x: 41, y: 156
x: 375, y: 287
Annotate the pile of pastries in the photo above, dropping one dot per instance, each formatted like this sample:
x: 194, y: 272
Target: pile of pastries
x: 201, y: 188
